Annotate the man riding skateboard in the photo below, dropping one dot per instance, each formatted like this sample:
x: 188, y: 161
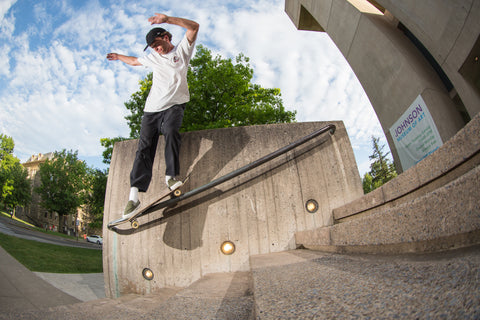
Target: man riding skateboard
x: 163, y: 113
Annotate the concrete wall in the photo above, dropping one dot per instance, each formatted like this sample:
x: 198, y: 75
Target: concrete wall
x: 449, y: 30
x: 391, y: 69
x: 260, y: 211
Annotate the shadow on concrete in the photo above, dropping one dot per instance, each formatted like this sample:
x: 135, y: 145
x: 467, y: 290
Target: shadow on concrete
x: 239, y: 298
x: 217, y: 156
x: 201, y: 202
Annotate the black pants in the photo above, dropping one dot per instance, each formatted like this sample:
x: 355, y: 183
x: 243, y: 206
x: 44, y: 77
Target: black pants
x: 168, y: 123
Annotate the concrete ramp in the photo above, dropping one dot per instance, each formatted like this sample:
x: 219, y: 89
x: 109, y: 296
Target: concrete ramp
x: 259, y: 211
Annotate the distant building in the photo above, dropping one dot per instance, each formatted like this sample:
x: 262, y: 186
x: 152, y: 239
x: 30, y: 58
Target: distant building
x: 38, y: 215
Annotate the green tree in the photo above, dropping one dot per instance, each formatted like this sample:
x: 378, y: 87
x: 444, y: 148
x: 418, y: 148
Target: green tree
x: 136, y: 104
x: 6, y: 146
x: 95, y: 197
x: 21, y: 193
x: 381, y: 169
x: 108, y: 144
x: 15, y: 188
x: 221, y: 95
x: 63, y: 182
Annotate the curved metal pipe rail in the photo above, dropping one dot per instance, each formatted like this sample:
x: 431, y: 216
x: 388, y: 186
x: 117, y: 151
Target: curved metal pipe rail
x: 245, y: 168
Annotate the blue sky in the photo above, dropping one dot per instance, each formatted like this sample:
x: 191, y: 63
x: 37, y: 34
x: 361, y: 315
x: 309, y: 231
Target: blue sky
x: 58, y: 91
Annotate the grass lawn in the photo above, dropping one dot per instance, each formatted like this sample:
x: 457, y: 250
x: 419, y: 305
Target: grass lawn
x: 43, y: 257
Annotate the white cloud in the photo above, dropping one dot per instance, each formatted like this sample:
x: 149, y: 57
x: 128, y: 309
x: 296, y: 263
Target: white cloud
x: 5, y: 6
x: 63, y: 93
x: 7, y: 27
x: 312, y: 74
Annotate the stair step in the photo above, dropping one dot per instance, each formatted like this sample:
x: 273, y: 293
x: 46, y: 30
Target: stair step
x: 448, y: 217
x: 313, y: 285
x: 303, y: 284
x: 215, y: 296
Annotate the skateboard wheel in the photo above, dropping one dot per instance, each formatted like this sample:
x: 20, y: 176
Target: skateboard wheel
x: 134, y: 224
x: 177, y: 193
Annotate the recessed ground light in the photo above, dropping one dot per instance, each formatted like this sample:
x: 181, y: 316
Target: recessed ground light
x: 227, y: 247
x: 147, y: 274
x: 311, y: 206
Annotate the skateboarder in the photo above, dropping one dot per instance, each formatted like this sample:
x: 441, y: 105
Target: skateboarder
x: 163, y: 113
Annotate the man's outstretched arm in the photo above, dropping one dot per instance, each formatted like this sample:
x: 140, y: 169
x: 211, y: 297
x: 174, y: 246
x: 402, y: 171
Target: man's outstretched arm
x: 191, y: 26
x: 133, y: 61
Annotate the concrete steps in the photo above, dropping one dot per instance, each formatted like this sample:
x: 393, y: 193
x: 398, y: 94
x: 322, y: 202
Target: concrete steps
x: 433, y: 206
x: 303, y: 284
x: 313, y: 285
x: 215, y: 296
x: 446, y: 218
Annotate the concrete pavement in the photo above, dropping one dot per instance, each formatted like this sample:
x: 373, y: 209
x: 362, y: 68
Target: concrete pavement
x: 21, y: 290
x: 84, y: 286
x: 297, y: 284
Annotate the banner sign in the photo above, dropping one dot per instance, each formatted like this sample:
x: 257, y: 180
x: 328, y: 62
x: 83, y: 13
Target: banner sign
x: 415, y: 135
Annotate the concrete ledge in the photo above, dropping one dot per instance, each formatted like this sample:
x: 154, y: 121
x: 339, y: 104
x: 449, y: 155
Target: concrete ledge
x: 259, y: 211
x: 459, y: 154
x: 428, y: 246
x: 448, y: 217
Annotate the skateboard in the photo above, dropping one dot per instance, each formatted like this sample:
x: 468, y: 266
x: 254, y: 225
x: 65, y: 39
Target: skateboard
x: 133, y: 219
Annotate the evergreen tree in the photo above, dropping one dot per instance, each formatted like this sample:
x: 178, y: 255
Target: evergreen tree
x: 381, y: 169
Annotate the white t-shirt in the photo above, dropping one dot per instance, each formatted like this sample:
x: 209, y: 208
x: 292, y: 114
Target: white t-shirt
x: 169, y: 85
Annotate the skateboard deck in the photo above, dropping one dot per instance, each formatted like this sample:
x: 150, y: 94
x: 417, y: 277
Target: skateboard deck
x: 133, y: 219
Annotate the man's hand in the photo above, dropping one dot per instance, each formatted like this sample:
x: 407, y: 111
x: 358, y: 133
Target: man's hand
x: 112, y: 56
x: 158, y: 18
x: 133, y: 61
x: 191, y: 26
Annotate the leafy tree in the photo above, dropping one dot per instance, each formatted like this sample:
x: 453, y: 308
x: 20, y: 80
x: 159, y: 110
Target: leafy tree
x: 108, y: 144
x: 6, y: 146
x: 20, y: 193
x: 95, y: 198
x: 15, y: 188
x: 63, y: 181
x: 221, y: 95
x: 136, y: 104
x: 381, y: 169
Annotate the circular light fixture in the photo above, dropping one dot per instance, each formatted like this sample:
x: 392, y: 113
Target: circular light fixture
x: 147, y: 274
x: 227, y: 247
x: 311, y: 206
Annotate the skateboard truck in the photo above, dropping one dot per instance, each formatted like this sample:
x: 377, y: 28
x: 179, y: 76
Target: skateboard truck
x: 134, y: 222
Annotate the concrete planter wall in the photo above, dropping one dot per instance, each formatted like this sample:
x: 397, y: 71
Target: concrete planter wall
x: 260, y: 211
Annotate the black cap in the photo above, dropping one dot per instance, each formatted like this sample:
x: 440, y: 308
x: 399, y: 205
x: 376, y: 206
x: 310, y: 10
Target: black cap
x: 153, y: 34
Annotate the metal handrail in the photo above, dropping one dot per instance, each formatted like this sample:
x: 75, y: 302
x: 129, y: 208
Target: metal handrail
x: 245, y: 168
